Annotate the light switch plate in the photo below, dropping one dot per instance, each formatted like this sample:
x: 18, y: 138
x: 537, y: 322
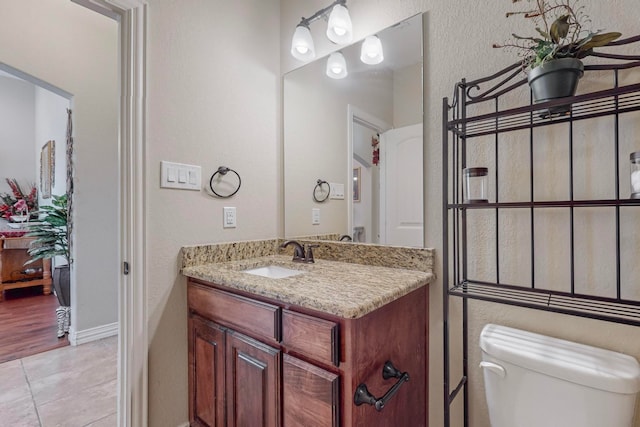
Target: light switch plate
x: 229, y: 217
x: 337, y: 191
x: 315, y: 216
x: 180, y: 176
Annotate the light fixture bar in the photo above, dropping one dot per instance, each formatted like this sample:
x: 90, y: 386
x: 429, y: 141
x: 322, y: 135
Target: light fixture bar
x: 321, y: 13
x: 339, y: 30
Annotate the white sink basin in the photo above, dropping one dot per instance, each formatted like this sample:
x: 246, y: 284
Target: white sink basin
x: 273, y: 271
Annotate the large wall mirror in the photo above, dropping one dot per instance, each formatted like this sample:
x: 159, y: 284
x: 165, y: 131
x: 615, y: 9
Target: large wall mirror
x: 369, y: 122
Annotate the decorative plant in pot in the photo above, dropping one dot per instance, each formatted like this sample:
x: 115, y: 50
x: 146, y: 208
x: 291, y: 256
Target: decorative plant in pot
x: 554, y: 55
x: 51, y: 240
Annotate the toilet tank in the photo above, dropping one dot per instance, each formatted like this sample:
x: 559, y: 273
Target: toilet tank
x: 533, y: 380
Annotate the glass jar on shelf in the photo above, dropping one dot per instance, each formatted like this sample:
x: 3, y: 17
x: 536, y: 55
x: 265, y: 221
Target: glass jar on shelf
x: 475, y: 185
x: 635, y: 174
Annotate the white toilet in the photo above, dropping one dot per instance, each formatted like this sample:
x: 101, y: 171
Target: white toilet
x: 532, y: 380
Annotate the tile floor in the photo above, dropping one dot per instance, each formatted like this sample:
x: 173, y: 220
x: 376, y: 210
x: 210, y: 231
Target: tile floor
x: 65, y: 387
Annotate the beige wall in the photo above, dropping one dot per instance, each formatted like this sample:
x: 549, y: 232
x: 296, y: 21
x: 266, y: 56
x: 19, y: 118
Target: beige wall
x: 75, y: 49
x: 17, y: 133
x: 407, y: 98
x: 213, y: 99
x: 51, y: 124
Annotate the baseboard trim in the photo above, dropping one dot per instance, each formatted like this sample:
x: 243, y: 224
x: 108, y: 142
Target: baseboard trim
x: 92, y: 334
x: 184, y: 425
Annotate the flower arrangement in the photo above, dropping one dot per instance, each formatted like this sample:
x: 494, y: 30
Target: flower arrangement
x: 18, y: 202
x: 560, y: 25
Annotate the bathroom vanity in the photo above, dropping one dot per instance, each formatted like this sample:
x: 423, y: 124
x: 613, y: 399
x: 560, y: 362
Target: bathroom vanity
x: 302, y: 350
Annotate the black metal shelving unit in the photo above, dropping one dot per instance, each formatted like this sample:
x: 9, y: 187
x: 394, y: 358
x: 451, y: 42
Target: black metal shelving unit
x: 476, y: 113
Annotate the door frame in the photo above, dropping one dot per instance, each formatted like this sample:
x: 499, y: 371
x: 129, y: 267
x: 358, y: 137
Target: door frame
x: 132, y: 315
x: 355, y: 114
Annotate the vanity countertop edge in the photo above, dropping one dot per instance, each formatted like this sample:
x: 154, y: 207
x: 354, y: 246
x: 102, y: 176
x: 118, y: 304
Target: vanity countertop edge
x: 343, y: 289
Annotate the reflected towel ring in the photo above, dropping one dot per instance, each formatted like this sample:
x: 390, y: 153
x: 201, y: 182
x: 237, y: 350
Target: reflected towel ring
x: 318, y: 194
x: 222, y: 171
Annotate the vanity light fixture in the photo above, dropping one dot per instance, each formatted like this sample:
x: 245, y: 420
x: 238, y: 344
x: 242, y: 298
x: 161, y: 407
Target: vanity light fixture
x: 371, y: 51
x: 336, y: 66
x: 339, y: 30
x: 302, y: 47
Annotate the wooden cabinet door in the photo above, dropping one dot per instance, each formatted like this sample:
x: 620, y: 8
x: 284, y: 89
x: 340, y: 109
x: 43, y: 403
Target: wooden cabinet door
x: 253, y: 382
x: 206, y: 373
x: 311, y: 395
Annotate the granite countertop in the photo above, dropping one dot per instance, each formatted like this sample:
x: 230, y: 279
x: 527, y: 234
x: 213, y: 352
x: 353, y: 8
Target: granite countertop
x: 343, y: 289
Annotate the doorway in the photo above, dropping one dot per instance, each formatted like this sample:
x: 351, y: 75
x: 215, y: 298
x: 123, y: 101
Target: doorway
x: 32, y: 170
x: 129, y: 47
x: 386, y: 205
x: 364, y: 201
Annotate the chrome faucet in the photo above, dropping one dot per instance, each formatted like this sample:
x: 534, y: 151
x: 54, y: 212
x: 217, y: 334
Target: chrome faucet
x: 300, y: 253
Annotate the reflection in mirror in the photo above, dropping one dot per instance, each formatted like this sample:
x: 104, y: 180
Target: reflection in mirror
x: 372, y: 121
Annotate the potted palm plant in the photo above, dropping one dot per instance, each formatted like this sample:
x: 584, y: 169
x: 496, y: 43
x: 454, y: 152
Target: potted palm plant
x: 52, y: 240
x: 554, y: 54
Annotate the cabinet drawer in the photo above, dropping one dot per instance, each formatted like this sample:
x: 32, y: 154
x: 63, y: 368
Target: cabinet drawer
x: 311, y: 395
x: 244, y: 314
x: 316, y: 338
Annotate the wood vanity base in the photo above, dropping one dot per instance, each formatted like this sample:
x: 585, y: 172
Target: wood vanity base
x: 258, y: 362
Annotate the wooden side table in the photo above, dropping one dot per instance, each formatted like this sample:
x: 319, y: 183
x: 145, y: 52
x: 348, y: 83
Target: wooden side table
x: 14, y: 274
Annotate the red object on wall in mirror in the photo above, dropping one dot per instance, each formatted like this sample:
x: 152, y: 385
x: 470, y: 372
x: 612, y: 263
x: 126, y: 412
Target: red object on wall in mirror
x: 375, y: 141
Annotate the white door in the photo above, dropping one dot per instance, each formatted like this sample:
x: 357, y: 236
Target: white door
x: 401, y: 208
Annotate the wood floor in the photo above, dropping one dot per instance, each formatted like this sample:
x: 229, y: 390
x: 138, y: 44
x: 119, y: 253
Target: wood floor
x: 28, y: 323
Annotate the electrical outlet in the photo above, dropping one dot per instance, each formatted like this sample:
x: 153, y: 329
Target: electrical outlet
x: 315, y: 216
x: 337, y: 191
x: 229, y: 217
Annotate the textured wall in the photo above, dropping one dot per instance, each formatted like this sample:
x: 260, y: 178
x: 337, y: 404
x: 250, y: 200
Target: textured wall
x: 459, y: 45
x: 213, y: 100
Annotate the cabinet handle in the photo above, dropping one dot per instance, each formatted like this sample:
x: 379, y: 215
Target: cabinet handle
x: 362, y: 394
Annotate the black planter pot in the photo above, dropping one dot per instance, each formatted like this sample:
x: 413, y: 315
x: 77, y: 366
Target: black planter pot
x: 62, y: 284
x: 556, y: 79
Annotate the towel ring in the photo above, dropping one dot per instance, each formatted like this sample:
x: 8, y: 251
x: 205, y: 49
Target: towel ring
x: 318, y: 195
x: 222, y: 171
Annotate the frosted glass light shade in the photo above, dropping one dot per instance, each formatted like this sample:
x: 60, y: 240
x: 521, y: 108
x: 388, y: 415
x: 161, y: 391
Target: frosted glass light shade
x: 302, y: 47
x: 339, y: 28
x: 336, y: 66
x: 371, y: 52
